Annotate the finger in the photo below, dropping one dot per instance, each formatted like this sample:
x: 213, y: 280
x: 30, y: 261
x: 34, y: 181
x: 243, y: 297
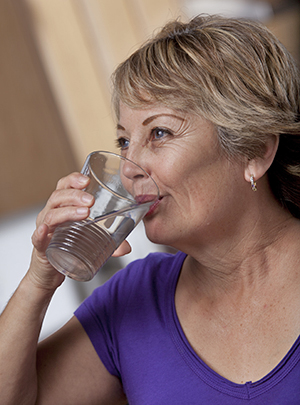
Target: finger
x: 73, y: 180
x: 58, y: 216
x: 122, y: 250
x: 65, y: 205
x: 69, y: 197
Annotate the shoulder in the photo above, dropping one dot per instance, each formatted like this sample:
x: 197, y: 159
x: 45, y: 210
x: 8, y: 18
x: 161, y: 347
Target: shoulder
x: 139, y: 279
x: 159, y: 266
x: 131, y: 297
x: 153, y: 264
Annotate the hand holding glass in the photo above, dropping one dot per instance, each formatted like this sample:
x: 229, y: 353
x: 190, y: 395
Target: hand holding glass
x: 123, y: 193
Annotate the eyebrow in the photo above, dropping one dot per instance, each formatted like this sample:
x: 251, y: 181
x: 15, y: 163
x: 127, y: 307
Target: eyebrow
x: 152, y: 118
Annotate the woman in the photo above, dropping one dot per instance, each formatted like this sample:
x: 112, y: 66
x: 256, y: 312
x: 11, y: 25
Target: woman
x: 210, y: 109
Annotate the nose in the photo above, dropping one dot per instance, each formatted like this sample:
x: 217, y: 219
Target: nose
x: 138, y: 154
x: 138, y: 182
x: 132, y: 170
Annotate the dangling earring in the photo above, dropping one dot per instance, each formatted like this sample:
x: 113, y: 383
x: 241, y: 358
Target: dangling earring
x: 253, y: 183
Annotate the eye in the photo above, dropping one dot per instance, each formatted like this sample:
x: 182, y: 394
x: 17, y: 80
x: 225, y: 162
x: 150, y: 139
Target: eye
x: 159, y: 133
x: 122, y: 143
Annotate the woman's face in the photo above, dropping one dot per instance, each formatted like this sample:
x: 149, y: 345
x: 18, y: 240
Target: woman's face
x: 197, y: 183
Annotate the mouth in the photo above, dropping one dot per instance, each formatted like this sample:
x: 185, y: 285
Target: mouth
x: 153, y: 207
x: 146, y: 198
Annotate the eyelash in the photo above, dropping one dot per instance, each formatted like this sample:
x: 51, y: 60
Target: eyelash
x: 121, y: 142
x: 160, y: 129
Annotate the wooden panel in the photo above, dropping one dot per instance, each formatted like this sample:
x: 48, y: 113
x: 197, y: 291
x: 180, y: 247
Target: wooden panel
x: 56, y: 61
x: 113, y: 36
x: 34, y: 151
x: 81, y: 42
x: 71, y: 71
x: 148, y: 16
x: 286, y: 26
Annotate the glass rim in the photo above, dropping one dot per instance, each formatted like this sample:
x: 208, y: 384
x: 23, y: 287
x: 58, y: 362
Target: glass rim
x: 104, y: 152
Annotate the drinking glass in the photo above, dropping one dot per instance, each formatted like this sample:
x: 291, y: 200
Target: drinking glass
x: 124, y: 193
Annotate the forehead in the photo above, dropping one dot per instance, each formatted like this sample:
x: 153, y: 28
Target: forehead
x: 155, y: 108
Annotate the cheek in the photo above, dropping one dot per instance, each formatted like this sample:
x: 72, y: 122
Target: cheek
x: 202, y: 189
x: 189, y: 170
x: 178, y: 166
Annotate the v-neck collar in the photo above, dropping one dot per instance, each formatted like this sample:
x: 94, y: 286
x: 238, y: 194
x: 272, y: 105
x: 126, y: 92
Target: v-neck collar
x: 209, y: 376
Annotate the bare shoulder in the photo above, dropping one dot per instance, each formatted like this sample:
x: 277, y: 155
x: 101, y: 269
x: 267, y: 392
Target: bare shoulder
x: 70, y: 371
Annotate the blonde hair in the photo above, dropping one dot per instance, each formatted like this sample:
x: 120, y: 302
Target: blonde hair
x: 234, y: 73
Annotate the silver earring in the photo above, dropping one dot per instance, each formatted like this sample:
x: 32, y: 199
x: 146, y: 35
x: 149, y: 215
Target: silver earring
x: 253, y: 183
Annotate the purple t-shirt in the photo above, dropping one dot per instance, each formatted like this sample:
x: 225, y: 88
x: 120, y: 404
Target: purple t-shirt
x: 132, y: 323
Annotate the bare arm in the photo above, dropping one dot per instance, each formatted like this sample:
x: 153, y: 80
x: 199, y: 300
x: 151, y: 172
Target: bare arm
x: 57, y: 376
x: 20, y: 325
x: 67, y: 370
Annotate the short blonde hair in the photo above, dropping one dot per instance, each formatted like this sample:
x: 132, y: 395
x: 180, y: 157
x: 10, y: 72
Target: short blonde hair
x: 234, y: 73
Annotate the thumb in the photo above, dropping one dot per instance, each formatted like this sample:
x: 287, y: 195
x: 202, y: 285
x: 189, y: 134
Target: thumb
x: 40, y: 237
x: 122, y: 250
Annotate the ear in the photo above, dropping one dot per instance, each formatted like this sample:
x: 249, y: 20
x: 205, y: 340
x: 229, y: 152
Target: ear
x: 258, y: 166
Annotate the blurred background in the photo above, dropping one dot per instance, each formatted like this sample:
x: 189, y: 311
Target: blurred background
x: 56, y: 58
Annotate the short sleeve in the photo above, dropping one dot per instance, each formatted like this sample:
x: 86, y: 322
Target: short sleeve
x: 117, y: 316
x: 101, y: 314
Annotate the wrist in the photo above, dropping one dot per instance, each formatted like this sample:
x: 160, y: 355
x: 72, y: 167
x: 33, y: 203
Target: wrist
x: 42, y: 275
x: 33, y: 295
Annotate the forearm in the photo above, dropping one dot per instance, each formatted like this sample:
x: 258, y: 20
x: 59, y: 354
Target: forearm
x: 20, y: 325
x: 21, y: 321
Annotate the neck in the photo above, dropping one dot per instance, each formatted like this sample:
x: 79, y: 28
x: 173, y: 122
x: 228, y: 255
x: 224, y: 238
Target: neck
x: 244, y: 263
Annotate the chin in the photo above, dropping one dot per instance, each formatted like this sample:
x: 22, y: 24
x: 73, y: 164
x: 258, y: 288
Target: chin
x: 152, y: 230
x: 157, y: 232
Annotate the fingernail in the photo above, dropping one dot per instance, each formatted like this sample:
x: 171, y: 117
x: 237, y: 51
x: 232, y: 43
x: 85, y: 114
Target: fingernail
x: 83, y: 179
x: 82, y: 210
x: 40, y: 230
x: 87, y: 198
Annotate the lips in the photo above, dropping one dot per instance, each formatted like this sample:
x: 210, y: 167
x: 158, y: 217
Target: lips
x: 144, y: 198
x: 153, y: 207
